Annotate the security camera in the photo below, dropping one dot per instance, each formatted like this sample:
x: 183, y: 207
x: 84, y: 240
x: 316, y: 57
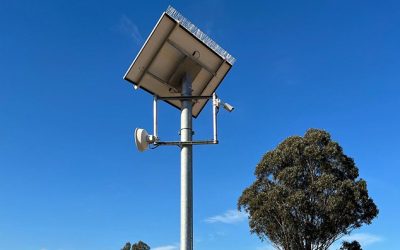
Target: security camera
x: 228, y: 107
x: 225, y: 105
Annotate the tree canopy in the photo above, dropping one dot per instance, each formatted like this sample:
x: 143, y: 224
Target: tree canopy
x: 354, y: 245
x: 127, y: 246
x: 140, y: 245
x: 307, y: 194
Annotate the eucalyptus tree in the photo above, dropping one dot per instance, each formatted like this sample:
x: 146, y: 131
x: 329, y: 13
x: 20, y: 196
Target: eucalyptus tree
x: 307, y: 194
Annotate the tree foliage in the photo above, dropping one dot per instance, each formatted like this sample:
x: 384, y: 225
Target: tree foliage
x: 354, y: 245
x: 127, y: 246
x: 137, y: 246
x: 140, y: 246
x: 307, y: 194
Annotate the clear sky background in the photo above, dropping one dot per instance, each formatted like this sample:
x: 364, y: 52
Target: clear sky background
x: 70, y: 175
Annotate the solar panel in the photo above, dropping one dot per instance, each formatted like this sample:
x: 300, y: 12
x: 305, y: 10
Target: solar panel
x: 175, y: 48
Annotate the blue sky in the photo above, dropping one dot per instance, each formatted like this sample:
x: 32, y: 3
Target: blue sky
x: 70, y: 176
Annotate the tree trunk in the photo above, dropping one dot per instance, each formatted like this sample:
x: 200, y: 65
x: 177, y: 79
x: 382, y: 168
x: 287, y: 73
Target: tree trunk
x: 308, y: 245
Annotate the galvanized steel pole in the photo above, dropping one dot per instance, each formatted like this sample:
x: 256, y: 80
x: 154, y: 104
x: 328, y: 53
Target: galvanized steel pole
x: 155, y: 122
x: 186, y: 168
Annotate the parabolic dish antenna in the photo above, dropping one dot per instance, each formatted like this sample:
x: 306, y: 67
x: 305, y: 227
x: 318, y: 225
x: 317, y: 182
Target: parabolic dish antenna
x: 141, y: 139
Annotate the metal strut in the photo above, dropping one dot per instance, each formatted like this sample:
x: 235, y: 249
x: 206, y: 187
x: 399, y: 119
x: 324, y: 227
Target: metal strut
x: 215, y: 103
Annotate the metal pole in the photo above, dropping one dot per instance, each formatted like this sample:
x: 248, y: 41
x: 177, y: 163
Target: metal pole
x: 186, y: 168
x: 155, y: 132
x: 215, y: 110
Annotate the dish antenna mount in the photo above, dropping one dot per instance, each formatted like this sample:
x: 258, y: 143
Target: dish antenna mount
x: 143, y: 139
